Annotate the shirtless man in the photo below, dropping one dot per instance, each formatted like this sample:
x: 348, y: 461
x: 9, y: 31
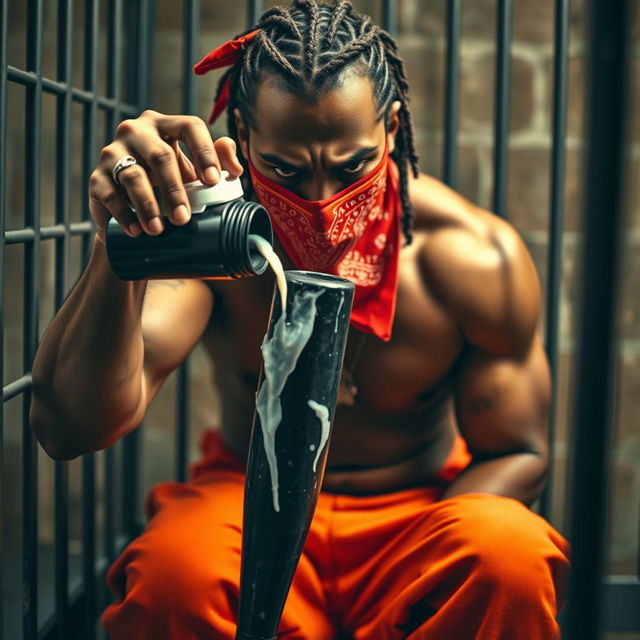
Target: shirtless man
x: 448, y: 547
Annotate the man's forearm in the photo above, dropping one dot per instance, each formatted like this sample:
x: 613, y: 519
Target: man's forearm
x: 87, y: 371
x: 518, y: 475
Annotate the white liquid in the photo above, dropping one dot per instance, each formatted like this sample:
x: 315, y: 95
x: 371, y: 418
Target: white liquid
x: 267, y: 252
x: 280, y: 354
x: 335, y: 326
x: 323, y: 415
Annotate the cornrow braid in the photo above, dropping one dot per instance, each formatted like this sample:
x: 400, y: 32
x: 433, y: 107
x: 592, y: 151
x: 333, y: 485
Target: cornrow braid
x: 352, y: 50
x: 276, y: 55
x: 291, y: 49
x: 312, y: 9
x: 338, y: 14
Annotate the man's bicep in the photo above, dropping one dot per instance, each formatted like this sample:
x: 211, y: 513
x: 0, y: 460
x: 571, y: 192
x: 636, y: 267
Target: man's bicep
x: 174, y: 317
x: 502, y: 402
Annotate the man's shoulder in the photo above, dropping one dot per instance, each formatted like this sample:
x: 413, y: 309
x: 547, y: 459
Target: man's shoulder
x: 477, y: 265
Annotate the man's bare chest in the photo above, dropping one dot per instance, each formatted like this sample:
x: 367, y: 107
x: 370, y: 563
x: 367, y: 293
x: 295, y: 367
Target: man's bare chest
x: 389, y: 376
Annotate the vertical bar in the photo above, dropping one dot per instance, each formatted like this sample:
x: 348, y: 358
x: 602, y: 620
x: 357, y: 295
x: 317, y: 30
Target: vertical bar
x: 33, y: 128
x: 503, y: 90
x: 146, y: 53
x: 114, y: 72
x: 255, y: 9
x: 451, y: 96
x: 4, y: 12
x: 132, y: 18
x: 191, y: 15
x: 141, y: 90
x: 130, y: 443
x: 63, y: 126
x: 390, y: 16
x: 556, y: 214
x: 182, y: 421
x: 88, y: 461
x: 191, y: 24
x: 605, y: 136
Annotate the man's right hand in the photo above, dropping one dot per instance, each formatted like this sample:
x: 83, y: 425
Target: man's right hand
x: 152, y: 138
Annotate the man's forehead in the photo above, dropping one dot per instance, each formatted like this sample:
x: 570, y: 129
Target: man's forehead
x: 347, y: 111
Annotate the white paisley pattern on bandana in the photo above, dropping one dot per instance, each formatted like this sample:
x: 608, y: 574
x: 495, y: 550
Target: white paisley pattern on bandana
x: 353, y: 234
x: 312, y: 244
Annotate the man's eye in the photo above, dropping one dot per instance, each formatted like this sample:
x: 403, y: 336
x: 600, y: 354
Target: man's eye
x: 357, y: 167
x: 283, y: 173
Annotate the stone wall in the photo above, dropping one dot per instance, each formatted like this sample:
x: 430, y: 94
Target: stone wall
x: 421, y: 39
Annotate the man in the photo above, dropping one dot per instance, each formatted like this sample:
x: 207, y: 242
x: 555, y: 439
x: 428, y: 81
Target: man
x: 439, y: 437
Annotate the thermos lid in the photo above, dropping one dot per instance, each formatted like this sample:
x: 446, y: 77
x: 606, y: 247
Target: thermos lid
x: 201, y: 195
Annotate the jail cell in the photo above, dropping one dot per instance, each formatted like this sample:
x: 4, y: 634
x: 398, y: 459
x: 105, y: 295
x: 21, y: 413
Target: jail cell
x: 498, y: 90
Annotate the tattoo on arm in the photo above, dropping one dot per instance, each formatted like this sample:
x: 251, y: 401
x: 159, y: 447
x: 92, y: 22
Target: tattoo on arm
x: 480, y: 404
x: 173, y: 284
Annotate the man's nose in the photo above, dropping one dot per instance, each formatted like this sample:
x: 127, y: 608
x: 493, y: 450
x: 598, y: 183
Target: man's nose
x: 320, y: 189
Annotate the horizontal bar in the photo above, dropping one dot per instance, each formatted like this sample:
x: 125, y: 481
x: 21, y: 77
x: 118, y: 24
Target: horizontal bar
x: 55, y: 231
x: 16, y: 387
x: 28, y: 78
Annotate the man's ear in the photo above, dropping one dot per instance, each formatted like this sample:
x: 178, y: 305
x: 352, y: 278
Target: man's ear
x: 243, y: 133
x: 393, y: 123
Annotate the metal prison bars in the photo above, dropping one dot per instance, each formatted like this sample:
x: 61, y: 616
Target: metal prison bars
x: 75, y: 616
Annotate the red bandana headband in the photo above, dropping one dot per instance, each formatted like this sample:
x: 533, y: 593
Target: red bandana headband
x: 225, y: 55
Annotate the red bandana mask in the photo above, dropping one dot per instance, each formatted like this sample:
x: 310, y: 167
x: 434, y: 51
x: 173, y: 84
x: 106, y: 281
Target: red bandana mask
x: 354, y: 234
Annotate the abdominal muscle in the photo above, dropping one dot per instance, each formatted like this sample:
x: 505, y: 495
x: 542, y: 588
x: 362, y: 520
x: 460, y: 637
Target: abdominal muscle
x: 368, y: 452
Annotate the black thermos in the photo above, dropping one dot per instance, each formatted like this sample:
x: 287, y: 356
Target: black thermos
x: 272, y: 541
x: 213, y: 244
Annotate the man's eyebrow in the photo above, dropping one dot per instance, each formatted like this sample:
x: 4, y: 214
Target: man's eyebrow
x: 271, y: 157
x: 355, y: 157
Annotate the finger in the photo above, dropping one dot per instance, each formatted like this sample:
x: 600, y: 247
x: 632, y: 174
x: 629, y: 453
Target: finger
x: 162, y: 161
x: 194, y: 132
x: 227, y: 152
x: 106, y: 201
x: 134, y: 183
x: 187, y: 170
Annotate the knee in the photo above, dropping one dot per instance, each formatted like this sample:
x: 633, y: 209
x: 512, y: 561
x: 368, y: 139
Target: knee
x: 506, y: 545
x: 170, y: 578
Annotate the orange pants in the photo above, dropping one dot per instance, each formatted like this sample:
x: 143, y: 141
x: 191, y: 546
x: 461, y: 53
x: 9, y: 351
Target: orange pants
x: 383, y: 567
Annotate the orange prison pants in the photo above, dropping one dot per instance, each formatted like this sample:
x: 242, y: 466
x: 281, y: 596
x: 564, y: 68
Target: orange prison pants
x: 382, y: 567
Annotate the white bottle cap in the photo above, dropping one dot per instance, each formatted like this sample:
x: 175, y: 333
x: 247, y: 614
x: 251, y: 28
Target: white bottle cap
x: 202, y: 195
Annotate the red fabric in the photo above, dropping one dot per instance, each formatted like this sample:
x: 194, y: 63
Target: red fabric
x: 384, y: 567
x: 354, y: 234
x: 225, y: 55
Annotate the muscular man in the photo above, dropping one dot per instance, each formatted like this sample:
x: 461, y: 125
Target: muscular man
x: 422, y: 529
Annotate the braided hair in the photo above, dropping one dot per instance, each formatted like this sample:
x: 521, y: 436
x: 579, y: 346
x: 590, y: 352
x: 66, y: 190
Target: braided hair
x: 306, y: 48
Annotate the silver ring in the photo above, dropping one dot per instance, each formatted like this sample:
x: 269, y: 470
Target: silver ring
x: 123, y: 163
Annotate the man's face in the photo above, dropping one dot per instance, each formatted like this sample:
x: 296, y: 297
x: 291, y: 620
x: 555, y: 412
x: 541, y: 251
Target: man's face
x: 317, y: 149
